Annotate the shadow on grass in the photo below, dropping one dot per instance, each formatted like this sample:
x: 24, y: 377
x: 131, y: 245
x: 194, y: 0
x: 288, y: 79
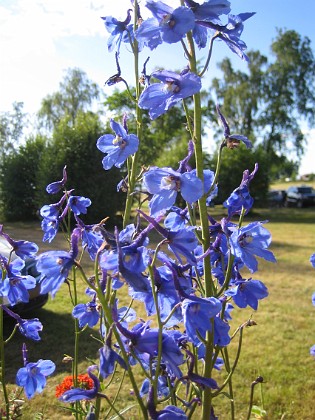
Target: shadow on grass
x: 57, y: 340
x: 284, y: 215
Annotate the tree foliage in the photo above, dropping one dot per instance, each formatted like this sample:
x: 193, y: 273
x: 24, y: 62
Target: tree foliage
x: 18, y: 180
x: 160, y: 135
x: 75, y: 147
x: 269, y: 102
x: 76, y: 94
x: 12, y: 125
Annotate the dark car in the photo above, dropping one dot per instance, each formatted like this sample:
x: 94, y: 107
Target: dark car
x: 276, y: 198
x: 36, y: 300
x: 300, y: 196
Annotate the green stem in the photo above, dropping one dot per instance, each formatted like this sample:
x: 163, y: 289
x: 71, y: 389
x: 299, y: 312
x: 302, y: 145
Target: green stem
x: 134, y: 160
x: 199, y: 168
x: 259, y: 380
x: 75, y: 372
x: 209, y: 54
x: 116, y: 396
x: 218, y: 391
x: 160, y: 326
x: 209, y: 286
x: 228, y: 368
x: 112, y: 407
x: 104, y: 301
x: 207, y: 397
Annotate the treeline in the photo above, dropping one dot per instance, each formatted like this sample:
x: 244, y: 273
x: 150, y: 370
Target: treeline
x: 267, y: 104
x: 66, y: 134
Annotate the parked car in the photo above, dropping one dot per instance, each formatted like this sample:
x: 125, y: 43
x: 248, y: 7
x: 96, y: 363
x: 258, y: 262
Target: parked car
x: 36, y: 300
x: 276, y: 198
x: 300, y: 196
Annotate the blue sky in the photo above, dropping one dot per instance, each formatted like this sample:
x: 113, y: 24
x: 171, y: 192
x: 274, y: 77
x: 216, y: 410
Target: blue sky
x: 39, y: 39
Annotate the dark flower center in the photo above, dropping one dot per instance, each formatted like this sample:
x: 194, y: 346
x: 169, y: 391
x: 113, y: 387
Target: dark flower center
x: 120, y: 142
x: 168, y: 20
x: 245, y: 239
x: 170, y: 183
x: 172, y: 86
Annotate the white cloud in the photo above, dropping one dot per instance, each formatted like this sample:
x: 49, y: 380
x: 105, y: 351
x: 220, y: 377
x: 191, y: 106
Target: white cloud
x: 30, y: 63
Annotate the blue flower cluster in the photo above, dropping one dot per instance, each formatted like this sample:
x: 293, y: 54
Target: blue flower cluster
x: 190, y: 279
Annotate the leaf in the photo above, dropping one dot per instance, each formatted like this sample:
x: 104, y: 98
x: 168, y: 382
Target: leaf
x: 258, y: 412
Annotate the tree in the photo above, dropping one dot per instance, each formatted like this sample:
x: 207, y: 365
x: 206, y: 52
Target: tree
x: 231, y: 172
x: 11, y: 129
x: 76, y: 93
x: 75, y: 146
x: 18, y: 180
x: 159, y: 136
x: 269, y: 102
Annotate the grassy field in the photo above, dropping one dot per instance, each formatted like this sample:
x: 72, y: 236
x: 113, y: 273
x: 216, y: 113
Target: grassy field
x: 277, y: 348
x: 285, y: 185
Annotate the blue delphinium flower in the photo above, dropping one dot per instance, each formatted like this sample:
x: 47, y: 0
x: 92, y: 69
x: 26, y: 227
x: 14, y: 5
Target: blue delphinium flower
x: 171, y: 412
x: 118, y: 147
x: 208, y: 178
x: 22, y: 249
x: 120, y: 31
x: 312, y: 351
x: 194, y: 377
x: 92, y: 238
x: 240, y: 198
x: 145, y: 342
x: 128, y: 259
x: 232, y: 140
x: 249, y: 241
x: 86, y: 313
x: 109, y: 358
x: 32, y: 377
x: 160, y: 97
x: 231, y: 32
x: 54, y: 266
x: 312, y: 260
x: 197, y: 314
x: 50, y: 228
x: 133, y: 260
x: 30, y: 328
x: 79, y: 204
x: 167, y: 25
x: 209, y: 11
x: 52, y: 211
x: 52, y: 216
x: 247, y: 292
x: 167, y: 295
x: 162, y: 387
x: 77, y: 394
x: 221, y: 332
x: 176, y: 219
x: 182, y: 242
x: 165, y: 183
x: 14, y: 285
x: 56, y: 186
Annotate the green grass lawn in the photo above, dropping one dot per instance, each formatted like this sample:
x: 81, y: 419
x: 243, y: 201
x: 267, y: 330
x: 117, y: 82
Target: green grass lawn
x: 277, y: 348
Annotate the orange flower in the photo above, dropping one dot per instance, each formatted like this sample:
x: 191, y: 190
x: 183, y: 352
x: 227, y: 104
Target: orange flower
x: 83, y: 381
